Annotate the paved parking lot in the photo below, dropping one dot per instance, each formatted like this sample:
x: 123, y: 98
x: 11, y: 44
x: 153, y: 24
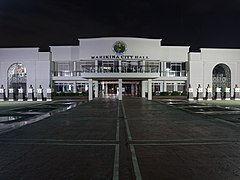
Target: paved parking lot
x: 132, y: 139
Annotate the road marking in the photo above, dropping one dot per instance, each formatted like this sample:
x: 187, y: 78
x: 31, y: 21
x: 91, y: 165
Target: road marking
x: 126, y: 123
x: 142, y: 141
x: 117, y: 153
x: 118, y: 120
x: 185, y: 144
x: 116, y: 163
x: 56, y: 144
x: 57, y: 140
x: 135, y: 163
x: 132, y: 149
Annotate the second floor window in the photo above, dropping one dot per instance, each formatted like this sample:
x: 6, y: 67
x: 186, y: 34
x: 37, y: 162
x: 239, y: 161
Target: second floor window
x: 176, y: 69
x: 63, y: 67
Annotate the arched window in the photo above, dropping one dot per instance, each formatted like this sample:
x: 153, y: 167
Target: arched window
x: 221, y: 77
x: 17, y: 77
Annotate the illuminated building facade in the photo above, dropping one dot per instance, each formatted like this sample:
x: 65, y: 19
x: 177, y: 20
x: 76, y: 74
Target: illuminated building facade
x: 119, y: 66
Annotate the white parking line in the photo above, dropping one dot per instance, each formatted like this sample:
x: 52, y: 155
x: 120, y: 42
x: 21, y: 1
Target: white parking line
x: 116, y: 158
x: 135, y: 163
x: 56, y: 144
x: 58, y: 140
x: 126, y: 123
x: 116, y: 163
x: 132, y: 149
x: 118, y: 116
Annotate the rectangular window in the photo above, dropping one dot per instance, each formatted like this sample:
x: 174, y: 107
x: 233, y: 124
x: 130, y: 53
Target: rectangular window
x: 175, y: 69
x: 63, y: 87
x: 63, y: 67
x: 152, y: 66
x: 82, y: 88
x: 181, y: 87
x: 168, y: 65
x: 87, y: 66
x: 170, y: 87
x: 184, y: 66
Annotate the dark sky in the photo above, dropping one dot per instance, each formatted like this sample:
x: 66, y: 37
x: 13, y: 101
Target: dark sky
x: 197, y: 23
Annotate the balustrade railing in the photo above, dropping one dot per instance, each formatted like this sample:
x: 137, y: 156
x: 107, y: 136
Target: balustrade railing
x: 121, y: 69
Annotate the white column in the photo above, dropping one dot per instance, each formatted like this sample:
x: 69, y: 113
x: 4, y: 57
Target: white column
x: 74, y: 66
x: 162, y: 68
x: 149, y: 89
x: 132, y: 89
x: 153, y: 87
x: 103, y: 88
x: 74, y: 87
x: 175, y: 86
x: 96, y: 89
x: 74, y: 73
x: 161, y: 86
x: 106, y: 89
x: 143, y: 65
x: 90, y: 89
x: 120, y: 89
x: 143, y: 89
x: 136, y: 89
x: 164, y: 86
x: 120, y: 66
x: 96, y: 66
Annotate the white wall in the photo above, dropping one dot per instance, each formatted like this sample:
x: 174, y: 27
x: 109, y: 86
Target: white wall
x: 65, y: 53
x: 17, y: 54
x: 196, y: 71
x: 104, y: 46
x: 42, y: 71
x: 135, y: 46
x: 37, y: 65
x: 212, y: 54
x: 9, y: 56
x: 202, y: 65
x: 173, y: 53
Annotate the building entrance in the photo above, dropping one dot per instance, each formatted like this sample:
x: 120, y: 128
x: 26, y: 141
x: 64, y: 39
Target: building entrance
x: 129, y: 88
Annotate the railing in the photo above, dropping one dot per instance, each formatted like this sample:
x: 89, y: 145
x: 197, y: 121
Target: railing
x: 120, y: 70
x: 174, y: 73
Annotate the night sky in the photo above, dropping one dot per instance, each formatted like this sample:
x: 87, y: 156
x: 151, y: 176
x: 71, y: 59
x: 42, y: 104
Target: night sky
x: 195, y: 23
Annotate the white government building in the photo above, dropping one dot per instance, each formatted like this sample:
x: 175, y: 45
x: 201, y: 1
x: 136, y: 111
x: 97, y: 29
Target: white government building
x: 120, y: 66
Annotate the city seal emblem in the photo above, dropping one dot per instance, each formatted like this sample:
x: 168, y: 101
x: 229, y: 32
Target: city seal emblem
x: 119, y: 47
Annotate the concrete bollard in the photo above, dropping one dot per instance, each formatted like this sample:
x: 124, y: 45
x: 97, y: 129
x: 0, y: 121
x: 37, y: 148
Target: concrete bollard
x: 49, y: 94
x: 218, y: 94
x: 2, y: 94
x: 40, y: 93
x: 11, y: 94
x: 208, y: 93
x: 236, y: 93
x: 227, y: 93
x: 20, y: 94
x: 199, y: 93
x: 30, y: 93
x: 190, y: 93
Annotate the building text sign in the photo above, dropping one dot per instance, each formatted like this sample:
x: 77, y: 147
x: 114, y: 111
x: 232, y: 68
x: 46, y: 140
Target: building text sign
x: 119, y: 57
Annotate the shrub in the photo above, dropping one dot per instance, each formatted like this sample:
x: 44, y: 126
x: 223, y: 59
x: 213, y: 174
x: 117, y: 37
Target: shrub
x: 175, y: 93
x: 164, y: 93
x: 65, y: 94
x: 184, y: 93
